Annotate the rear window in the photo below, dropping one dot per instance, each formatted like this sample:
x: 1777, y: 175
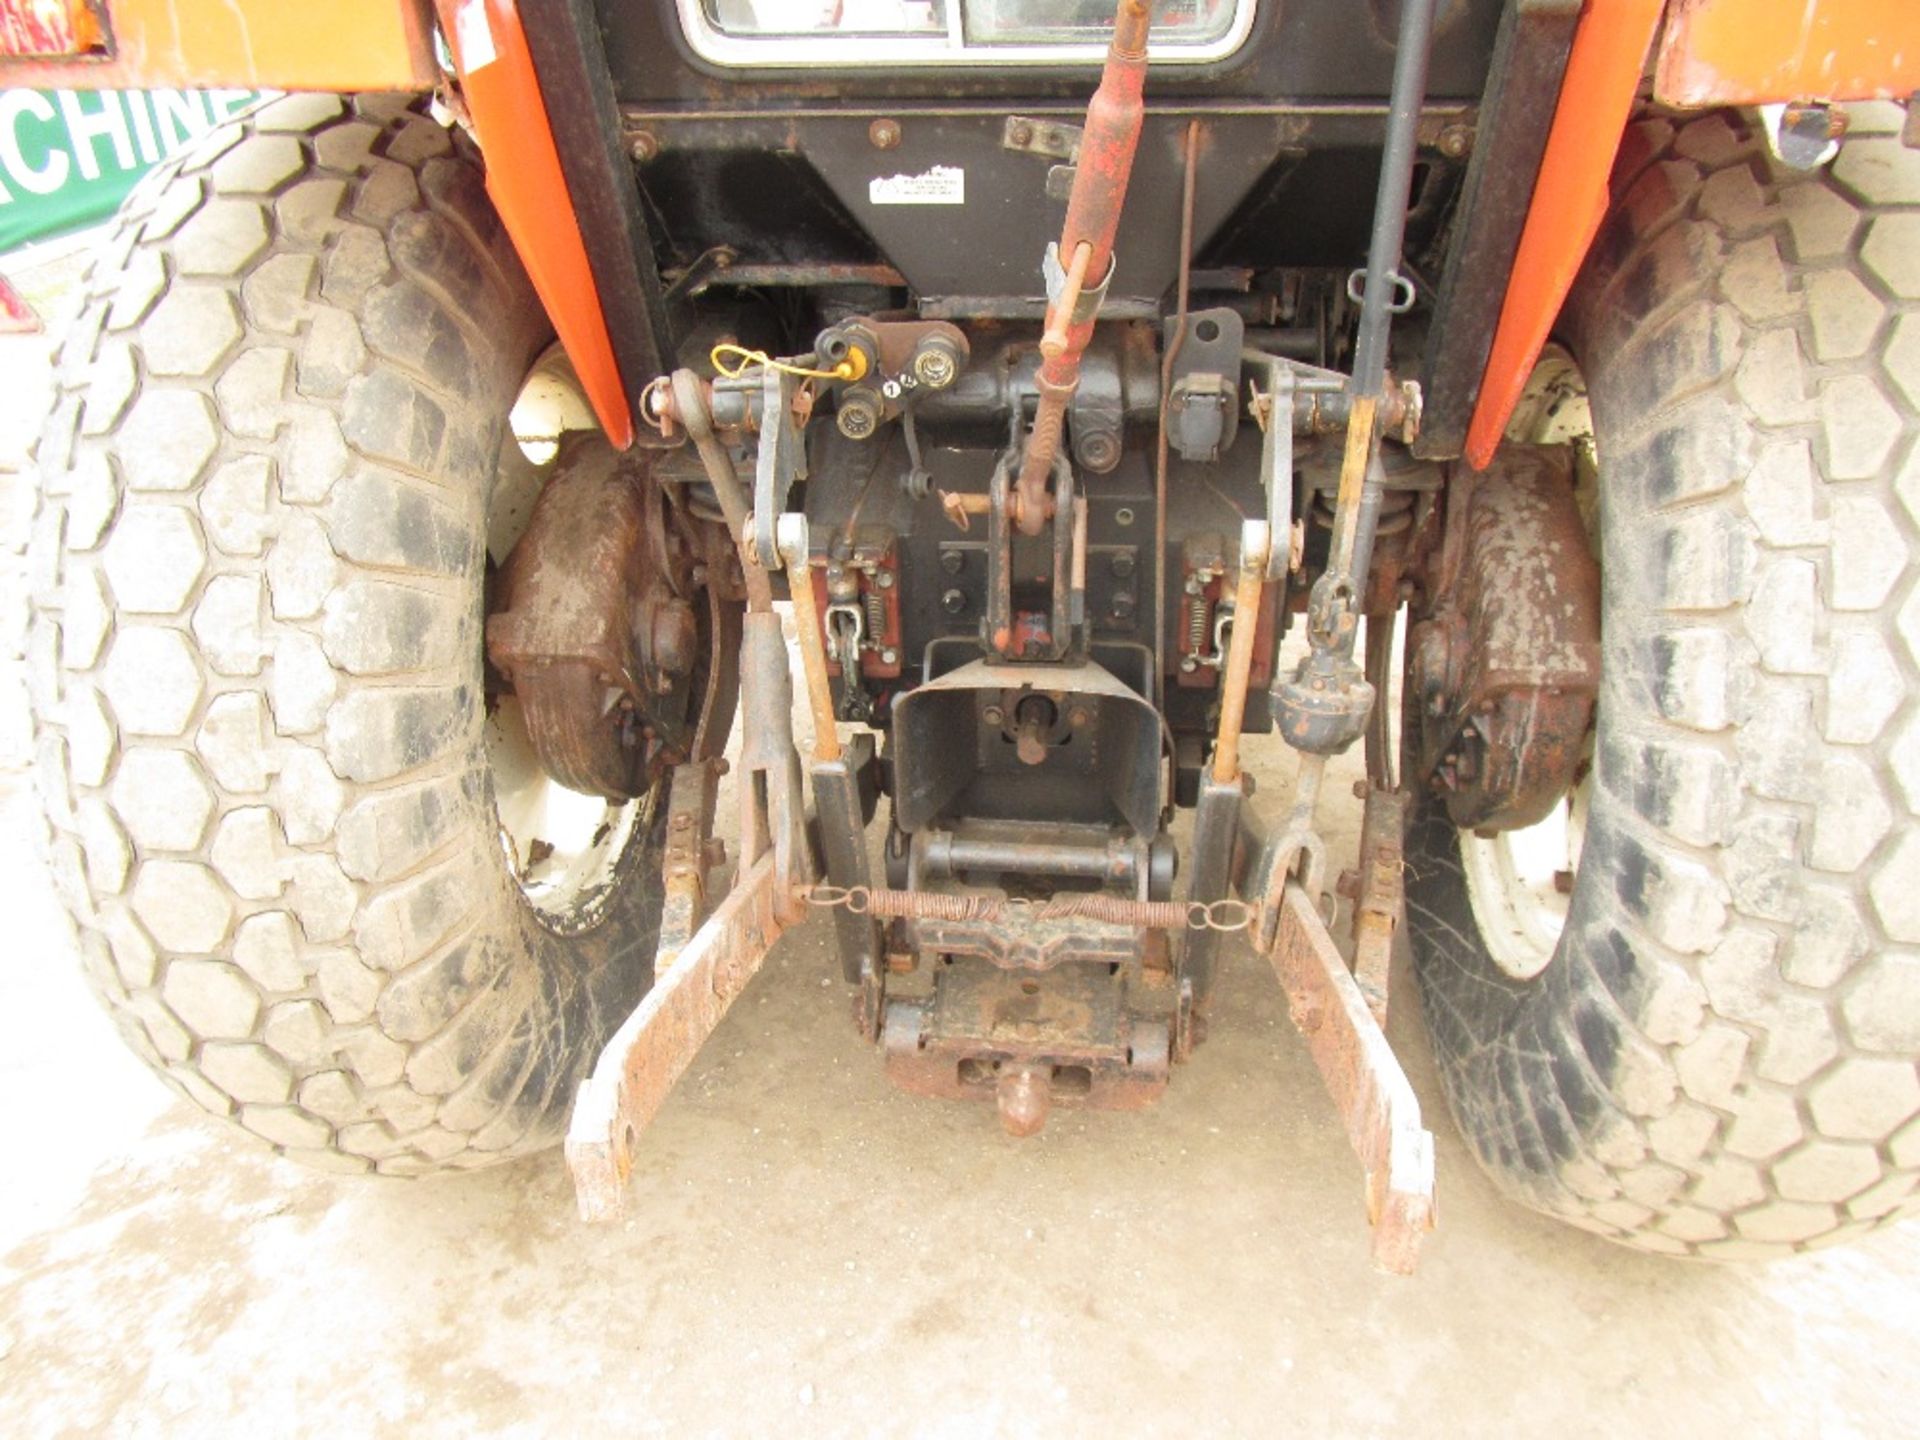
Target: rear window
x: 950, y: 32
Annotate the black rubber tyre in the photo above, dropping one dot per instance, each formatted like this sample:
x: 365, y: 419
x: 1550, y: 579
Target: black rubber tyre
x: 1719, y: 1059
x: 257, y: 568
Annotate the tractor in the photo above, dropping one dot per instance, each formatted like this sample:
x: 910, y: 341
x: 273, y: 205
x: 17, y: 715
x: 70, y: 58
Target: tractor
x: 565, y: 490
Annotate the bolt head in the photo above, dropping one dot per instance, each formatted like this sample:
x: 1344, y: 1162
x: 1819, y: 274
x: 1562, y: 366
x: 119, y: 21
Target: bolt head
x: 884, y: 579
x: 994, y: 715
x: 1121, y: 564
x: 935, y: 367
x: 858, y: 417
x: 885, y: 134
x: 953, y: 561
x: 954, y: 602
x: 1098, y: 450
x: 1188, y: 664
x: 643, y: 146
x: 889, y: 656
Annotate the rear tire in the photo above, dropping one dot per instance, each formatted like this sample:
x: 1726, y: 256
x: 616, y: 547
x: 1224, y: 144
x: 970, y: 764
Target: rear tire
x: 1719, y: 1058
x: 258, y: 568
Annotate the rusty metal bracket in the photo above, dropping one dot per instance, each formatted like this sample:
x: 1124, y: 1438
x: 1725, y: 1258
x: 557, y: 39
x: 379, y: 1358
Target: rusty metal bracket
x: 651, y: 1051
x: 1379, y: 895
x: 1377, y: 1105
x: 693, y: 989
x: 691, y: 853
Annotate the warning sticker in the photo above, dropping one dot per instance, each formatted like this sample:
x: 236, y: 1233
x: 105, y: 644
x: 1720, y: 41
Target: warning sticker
x: 942, y: 185
x: 474, y: 36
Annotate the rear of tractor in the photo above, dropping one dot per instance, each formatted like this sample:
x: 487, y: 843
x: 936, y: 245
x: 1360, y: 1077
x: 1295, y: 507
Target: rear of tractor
x: 441, y: 477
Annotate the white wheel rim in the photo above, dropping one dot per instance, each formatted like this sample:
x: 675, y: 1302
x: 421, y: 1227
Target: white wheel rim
x: 563, y: 848
x: 1519, y: 883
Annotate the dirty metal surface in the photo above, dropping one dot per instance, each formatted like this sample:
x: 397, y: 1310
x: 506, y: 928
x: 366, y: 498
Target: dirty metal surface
x: 596, y: 626
x: 954, y: 751
x: 773, y: 808
x: 654, y: 1046
x: 843, y: 845
x: 1031, y: 942
x: 1075, y: 1028
x: 1031, y: 849
x: 691, y: 853
x: 1504, y: 671
x: 1377, y: 1106
x: 1210, y: 856
x: 1380, y: 898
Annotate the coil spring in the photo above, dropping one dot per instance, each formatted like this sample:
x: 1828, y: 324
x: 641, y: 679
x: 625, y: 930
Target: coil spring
x: 876, y: 619
x: 923, y: 905
x: 1196, y: 624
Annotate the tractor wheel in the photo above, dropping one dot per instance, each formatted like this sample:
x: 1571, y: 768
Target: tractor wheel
x: 319, y: 884
x: 1709, y: 1047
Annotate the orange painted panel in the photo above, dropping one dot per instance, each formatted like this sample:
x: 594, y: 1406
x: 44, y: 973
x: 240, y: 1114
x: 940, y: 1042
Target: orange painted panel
x: 1744, y: 52
x: 250, y: 44
x: 529, y: 190
x: 1569, y: 201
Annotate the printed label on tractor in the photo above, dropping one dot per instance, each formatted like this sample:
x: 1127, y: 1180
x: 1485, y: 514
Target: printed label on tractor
x: 942, y: 185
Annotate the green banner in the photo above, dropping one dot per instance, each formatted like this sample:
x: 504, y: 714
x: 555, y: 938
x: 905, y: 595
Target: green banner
x: 69, y: 157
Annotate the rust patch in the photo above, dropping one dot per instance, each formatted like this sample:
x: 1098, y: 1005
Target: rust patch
x: 1363, y: 1077
x: 1504, y: 671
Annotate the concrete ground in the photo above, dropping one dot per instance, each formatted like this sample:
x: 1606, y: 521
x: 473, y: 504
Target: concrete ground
x: 813, y: 1253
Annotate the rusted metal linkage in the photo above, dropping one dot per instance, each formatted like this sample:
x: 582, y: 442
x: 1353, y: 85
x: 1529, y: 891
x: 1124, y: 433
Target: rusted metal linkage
x: 1255, y: 539
x: 691, y: 410
x: 1182, y: 289
x: 885, y: 904
x: 1377, y: 1105
x: 692, y: 852
x: 692, y: 991
x: 653, y: 1048
x: 1379, y: 894
x: 795, y: 550
x: 1078, y: 270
